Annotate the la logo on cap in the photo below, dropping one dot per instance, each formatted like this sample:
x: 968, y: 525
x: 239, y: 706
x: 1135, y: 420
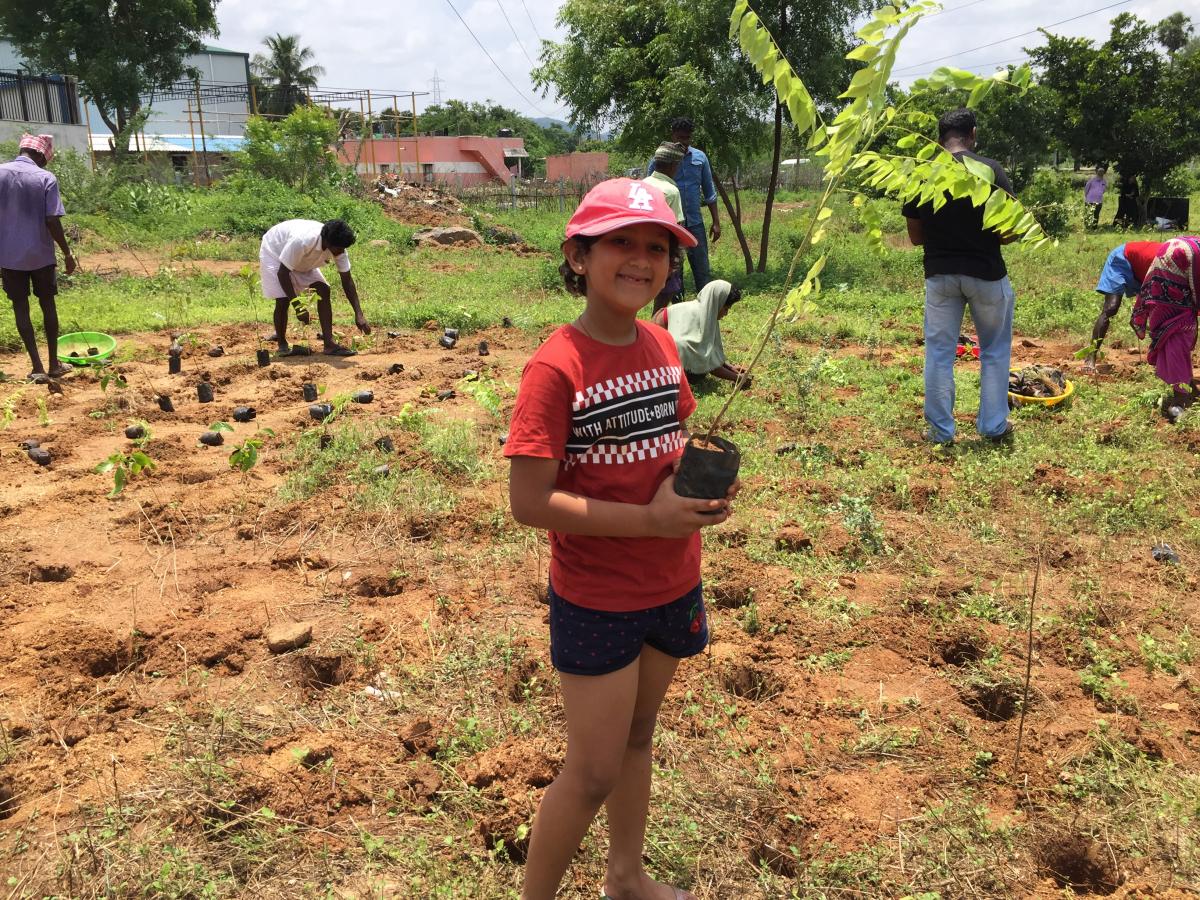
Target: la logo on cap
x: 640, y: 198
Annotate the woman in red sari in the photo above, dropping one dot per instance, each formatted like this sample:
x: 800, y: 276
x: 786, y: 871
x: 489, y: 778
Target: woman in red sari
x: 1166, y: 309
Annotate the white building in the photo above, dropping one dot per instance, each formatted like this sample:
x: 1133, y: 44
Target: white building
x: 38, y: 103
x: 50, y: 104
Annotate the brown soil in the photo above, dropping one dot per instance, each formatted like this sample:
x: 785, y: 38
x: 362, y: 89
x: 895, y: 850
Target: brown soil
x: 129, y: 622
x: 146, y: 263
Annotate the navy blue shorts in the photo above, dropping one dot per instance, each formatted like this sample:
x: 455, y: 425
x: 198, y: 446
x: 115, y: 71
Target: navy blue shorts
x: 593, y: 642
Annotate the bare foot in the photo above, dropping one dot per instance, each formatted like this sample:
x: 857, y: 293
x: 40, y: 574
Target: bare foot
x: 645, y: 888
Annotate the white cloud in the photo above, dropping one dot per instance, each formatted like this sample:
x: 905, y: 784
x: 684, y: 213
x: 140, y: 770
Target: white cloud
x: 395, y: 47
x: 398, y: 46
x: 995, y: 21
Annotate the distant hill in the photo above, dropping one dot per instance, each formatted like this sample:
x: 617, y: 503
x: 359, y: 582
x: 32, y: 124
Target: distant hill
x: 547, y: 122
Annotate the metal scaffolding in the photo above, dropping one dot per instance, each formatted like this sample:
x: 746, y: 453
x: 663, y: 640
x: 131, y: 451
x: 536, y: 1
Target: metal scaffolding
x: 198, y: 92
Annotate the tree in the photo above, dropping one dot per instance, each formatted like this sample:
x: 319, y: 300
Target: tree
x: 1015, y: 127
x: 929, y: 175
x: 633, y: 67
x: 284, y: 73
x: 1123, y: 102
x: 1174, y: 32
x: 295, y: 150
x: 118, y: 52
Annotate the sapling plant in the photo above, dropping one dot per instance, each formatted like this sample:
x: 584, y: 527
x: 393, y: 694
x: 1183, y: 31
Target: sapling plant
x: 8, y: 409
x: 245, y: 455
x: 927, y: 174
x: 125, y: 466
x: 112, y: 378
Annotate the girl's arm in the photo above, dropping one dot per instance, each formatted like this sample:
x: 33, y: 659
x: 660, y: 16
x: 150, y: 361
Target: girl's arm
x: 535, y: 501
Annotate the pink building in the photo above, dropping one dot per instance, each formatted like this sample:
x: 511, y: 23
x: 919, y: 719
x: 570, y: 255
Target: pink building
x: 462, y: 160
x: 577, y: 167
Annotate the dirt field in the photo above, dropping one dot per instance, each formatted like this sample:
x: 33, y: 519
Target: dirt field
x: 137, y: 690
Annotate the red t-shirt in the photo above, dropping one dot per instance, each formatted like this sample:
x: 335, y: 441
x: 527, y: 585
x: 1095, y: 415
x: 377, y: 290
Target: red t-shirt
x: 613, y: 417
x: 1140, y: 254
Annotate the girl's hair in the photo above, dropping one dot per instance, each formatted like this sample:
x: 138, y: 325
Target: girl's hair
x: 577, y: 284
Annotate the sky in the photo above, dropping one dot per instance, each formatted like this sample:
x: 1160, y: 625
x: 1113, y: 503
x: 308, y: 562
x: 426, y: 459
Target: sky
x: 400, y: 46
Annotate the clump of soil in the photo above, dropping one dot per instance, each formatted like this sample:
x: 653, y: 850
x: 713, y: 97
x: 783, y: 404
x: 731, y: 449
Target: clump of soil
x: 419, y: 737
x: 521, y: 680
x: 792, y: 540
x: 511, y: 776
x: 1078, y: 862
x: 380, y: 586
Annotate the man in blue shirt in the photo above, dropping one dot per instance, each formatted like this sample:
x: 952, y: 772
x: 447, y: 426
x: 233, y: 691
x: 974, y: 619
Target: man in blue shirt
x: 695, y: 182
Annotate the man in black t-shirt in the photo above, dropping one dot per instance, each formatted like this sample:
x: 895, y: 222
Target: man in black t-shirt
x: 963, y: 267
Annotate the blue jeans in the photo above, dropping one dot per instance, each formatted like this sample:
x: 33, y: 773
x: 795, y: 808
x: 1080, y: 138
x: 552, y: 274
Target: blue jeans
x: 991, y: 302
x: 698, y: 256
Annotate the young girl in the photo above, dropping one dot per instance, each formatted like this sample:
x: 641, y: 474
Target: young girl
x: 595, y: 438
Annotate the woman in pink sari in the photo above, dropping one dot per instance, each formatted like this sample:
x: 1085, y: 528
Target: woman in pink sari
x: 1166, y: 309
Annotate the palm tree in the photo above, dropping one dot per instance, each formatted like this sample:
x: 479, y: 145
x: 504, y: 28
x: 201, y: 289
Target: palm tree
x: 283, y: 74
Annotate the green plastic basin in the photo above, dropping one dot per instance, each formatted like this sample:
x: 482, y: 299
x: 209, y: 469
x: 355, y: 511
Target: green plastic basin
x: 73, y: 348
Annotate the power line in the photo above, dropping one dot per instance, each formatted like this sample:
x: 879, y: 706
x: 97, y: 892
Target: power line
x: 530, y: 18
x: 503, y: 74
x: 514, y: 31
x: 995, y: 62
x: 954, y: 9
x: 1013, y: 38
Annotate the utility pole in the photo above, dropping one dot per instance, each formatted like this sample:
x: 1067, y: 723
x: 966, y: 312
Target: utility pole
x: 437, y: 83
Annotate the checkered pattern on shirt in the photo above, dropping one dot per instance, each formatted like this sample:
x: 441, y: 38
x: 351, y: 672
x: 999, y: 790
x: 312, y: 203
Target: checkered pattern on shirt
x: 638, y: 451
x: 618, y: 443
x: 626, y: 384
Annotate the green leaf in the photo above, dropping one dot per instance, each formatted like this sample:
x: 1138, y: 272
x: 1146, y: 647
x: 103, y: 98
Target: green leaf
x: 909, y: 140
x: 824, y: 213
x: 863, y: 53
x: 980, y: 192
x: 816, y: 269
x: 979, y: 170
x: 220, y: 426
x: 119, y: 481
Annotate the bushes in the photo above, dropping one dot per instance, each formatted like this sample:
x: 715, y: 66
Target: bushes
x: 295, y: 151
x: 1055, y: 203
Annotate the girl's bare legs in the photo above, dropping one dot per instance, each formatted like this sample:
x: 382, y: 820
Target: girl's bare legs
x: 599, y: 711
x: 629, y: 802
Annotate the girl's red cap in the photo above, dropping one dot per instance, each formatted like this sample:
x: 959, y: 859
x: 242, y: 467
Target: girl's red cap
x: 619, y: 202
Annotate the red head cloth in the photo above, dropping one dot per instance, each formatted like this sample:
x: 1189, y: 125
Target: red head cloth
x: 42, y: 143
x: 619, y: 202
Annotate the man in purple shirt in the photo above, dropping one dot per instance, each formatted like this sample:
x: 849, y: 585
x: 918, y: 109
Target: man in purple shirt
x: 1093, y: 195
x: 30, y: 225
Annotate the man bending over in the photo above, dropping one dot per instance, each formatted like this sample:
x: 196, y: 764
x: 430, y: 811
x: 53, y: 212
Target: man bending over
x: 290, y: 259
